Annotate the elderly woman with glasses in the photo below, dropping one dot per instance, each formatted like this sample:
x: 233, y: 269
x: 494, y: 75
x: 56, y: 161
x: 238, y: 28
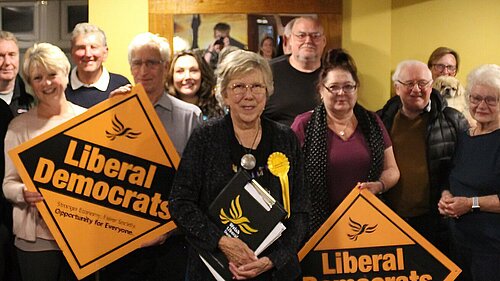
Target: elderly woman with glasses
x: 343, y: 143
x: 473, y: 195
x: 243, y: 139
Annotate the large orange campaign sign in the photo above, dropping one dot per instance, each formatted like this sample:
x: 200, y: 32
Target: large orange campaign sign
x: 364, y: 240
x: 104, y: 176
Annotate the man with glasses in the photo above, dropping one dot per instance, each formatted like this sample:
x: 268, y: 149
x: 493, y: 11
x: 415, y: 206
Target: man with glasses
x: 295, y: 75
x: 443, y: 62
x: 90, y: 82
x: 165, y: 258
x: 423, y: 132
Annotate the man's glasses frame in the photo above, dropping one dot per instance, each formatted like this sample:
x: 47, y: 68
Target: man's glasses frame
x: 422, y: 84
x: 150, y: 63
x: 440, y: 67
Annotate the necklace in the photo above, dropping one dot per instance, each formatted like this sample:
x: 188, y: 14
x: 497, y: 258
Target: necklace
x: 333, y: 126
x: 342, y: 132
x: 248, y: 161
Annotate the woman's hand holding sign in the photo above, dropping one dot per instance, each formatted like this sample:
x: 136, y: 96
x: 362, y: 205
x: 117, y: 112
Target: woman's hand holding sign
x: 32, y: 197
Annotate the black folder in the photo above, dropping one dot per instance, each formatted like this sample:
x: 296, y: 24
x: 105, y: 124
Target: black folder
x: 240, y: 214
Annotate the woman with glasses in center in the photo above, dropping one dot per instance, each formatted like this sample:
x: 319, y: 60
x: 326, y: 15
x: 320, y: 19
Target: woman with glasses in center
x: 343, y: 143
x: 243, y: 139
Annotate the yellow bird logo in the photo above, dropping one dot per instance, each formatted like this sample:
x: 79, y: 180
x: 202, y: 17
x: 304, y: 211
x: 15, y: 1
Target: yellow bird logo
x: 359, y: 229
x: 237, y: 217
x: 119, y: 130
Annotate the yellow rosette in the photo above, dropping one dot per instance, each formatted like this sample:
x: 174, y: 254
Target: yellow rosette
x: 279, y: 166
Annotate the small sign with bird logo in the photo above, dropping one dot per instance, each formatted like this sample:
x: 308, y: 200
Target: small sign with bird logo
x: 363, y: 240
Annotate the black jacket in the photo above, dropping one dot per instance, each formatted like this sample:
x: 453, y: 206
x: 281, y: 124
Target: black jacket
x: 444, y: 125
x: 5, y: 206
x: 206, y: 167
x: 21, y: 100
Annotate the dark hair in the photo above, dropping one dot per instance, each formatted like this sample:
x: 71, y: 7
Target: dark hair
x: 222, y: 26
x: 220, y: 42
x: 439, y: 53
x: 206, y: 98
x: 337, y: 59
x: 267, y: 37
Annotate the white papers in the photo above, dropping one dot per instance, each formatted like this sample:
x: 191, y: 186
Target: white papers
x: 266, y: 201
x: 212, y: 270
x: 273, y: 236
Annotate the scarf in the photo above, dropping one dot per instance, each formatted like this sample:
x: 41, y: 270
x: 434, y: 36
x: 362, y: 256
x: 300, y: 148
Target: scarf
x: 315, y: 151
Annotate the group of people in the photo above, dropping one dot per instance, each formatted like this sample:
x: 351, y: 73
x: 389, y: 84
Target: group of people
x: 299, y: 110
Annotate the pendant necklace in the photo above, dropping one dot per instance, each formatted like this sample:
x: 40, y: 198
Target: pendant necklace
x: 248, y: 161
x: 342, y: 132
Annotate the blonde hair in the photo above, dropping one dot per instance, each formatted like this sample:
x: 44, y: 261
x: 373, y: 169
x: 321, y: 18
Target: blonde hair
x: 47, y: 56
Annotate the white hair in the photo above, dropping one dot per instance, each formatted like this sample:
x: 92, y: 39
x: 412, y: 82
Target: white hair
x: 403, y: 65
x: 485, y: 75
x: 151, y: 40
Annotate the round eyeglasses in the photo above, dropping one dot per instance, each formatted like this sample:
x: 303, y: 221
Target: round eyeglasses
x: 240, y: 89
x: 489, y: 100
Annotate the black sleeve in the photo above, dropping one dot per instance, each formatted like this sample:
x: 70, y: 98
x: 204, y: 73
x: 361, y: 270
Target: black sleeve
x: 5, y: 117
x: 184, y: 203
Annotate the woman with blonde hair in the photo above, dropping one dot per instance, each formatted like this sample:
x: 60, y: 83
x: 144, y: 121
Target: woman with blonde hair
x: 45, y: 70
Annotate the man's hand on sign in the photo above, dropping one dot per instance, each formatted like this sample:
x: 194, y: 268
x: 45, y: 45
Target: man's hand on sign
x: 121, y: 91
x: 32, y: 197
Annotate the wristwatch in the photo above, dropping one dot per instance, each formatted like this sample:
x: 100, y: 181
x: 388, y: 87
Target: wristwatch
x: 475, y: 204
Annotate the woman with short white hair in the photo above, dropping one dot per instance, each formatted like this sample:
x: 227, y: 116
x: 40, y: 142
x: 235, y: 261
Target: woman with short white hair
x: 473, y: 196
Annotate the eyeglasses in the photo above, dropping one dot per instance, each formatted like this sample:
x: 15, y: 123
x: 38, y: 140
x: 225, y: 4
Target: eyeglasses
x: 136, y: 64
x: 489, y: 100
x: 335, y: 89
x: 422, y: 84
x: 441, y: 67
x: 240, y: 89
x: 315, y: 36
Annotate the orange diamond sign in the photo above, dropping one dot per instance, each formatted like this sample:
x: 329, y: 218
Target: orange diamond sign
x: 105, y: 177
x: 364, y: 240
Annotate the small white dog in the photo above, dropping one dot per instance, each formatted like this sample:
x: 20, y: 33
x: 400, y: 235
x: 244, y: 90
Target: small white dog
x: 454, y: 93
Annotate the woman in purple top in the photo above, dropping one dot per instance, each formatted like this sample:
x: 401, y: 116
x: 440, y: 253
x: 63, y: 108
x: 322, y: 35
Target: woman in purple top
x: 343, y: 143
